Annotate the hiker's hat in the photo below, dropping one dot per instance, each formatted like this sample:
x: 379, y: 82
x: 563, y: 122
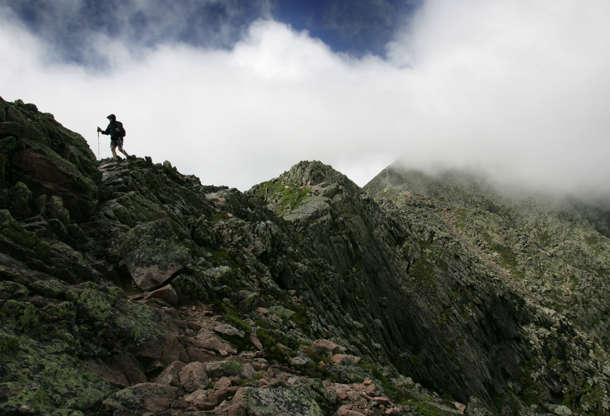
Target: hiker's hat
x: 111, y: 117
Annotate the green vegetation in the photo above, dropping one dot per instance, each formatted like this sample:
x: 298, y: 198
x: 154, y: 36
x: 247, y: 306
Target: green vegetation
x: 282, y: 312
x: 423, y: 268
x: 425, y: 408
x: 592, y: 239
x: 504, y: 400
x: 192, y: 286
x: 285, y: 198
x: 508, y: 259
x: 232, y: 317
x: 532, y: 392
x: 277, y: 346
x: 8, y: 343
x: 221, y: 257
x: 300, y: 317
x: 461, y: 218
x: 544, y: 237
x: 397, y: 395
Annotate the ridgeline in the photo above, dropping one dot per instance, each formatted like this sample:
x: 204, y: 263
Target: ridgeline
x: 129, y: 288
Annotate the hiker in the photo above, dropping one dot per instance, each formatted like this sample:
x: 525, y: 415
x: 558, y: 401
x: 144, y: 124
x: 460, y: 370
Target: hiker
x: 117, y: 132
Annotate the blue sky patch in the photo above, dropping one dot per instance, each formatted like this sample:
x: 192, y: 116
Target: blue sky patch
x: 357, y: 28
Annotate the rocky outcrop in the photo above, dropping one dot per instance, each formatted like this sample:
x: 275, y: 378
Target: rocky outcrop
x: 52, y: 162
x: 548, y: 249
x: 129, y: 288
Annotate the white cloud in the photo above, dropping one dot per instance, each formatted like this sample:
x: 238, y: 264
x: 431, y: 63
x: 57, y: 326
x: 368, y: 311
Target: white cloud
x: 516, y: 88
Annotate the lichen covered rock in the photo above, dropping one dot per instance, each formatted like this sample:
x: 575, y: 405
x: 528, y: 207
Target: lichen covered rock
x: 153, y: 252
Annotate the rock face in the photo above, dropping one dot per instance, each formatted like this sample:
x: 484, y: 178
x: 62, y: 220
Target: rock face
x: 129, y: 288
x: 50, y: 160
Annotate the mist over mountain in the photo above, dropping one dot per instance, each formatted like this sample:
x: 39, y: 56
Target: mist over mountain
x: 242, y: 89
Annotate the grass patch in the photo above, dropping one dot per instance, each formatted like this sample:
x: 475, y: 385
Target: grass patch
x: 221, y: 257
x: 461, y: 217
x: 232, y: 318
x: 284, y: 198
x: 544, y: 237
x: 508, y: 259
x: 592, y: 240
x: 425, y: 409
x: 271, y: 341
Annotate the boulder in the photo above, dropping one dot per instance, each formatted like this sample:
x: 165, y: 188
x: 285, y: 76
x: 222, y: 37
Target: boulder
x: 201, y: 399
x: 327, y: 346
x: 171, y: 374
x: 277, y: 401
x: 143, y: 397
x: 193, y: 376
x: 229, y: 330
x: 20, y: 200
x: 345, y: 359
x: 346, y: 410
x: 212, y: 342
x: 153, y: 252
x: 225, y: 368
x: 165, y: 293
x: 55, y: 209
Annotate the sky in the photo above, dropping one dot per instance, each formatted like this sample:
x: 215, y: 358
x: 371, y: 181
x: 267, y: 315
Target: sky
x: 238, y: 91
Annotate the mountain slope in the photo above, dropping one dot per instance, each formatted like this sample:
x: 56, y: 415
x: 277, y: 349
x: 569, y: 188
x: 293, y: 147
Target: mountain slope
x: 129, y: 288
x: 553, y: 250
x: 543, y: 251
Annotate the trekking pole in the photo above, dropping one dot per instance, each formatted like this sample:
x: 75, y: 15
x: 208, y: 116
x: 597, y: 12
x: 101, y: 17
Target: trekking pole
x: 98, y: 144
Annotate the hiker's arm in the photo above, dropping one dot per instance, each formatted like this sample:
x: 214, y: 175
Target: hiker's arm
x: 108, y: 129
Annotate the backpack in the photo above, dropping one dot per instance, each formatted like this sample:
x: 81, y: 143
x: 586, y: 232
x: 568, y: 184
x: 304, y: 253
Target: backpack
x: 118, y: 126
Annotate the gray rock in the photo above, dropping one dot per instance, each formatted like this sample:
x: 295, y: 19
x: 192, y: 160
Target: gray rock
x: 153, y: 252
x: 277, y: 401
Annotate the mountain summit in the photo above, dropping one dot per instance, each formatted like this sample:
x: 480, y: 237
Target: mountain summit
x: 129, y: 288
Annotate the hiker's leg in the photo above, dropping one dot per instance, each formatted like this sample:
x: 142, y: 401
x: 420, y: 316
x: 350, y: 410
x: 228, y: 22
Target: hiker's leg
x: 113, y: 149
x: 119, y: 143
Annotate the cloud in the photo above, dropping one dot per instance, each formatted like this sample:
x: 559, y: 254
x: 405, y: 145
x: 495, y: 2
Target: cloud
x: 517, y: 89
x: 69, y: 26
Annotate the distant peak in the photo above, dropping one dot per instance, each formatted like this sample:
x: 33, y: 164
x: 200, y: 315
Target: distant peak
x: 314, y: 173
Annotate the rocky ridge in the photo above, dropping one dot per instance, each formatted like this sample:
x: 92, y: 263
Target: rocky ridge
x: 129, y: 288
x: 556, y: 251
